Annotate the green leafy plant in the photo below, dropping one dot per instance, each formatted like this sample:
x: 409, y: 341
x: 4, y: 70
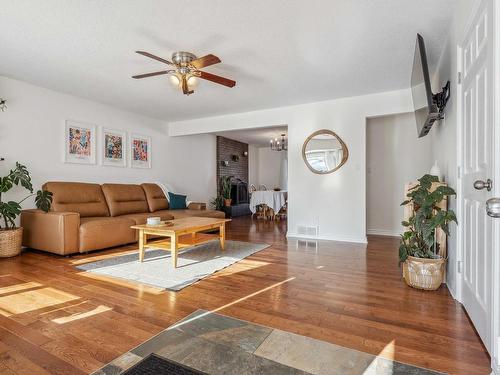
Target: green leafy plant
x: 10, y: 210
x: 225, y: 186
x: 217, y: 203
x: 419, y: 239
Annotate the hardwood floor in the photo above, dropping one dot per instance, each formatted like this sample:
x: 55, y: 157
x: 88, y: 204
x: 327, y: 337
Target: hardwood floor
x: 57, y: 319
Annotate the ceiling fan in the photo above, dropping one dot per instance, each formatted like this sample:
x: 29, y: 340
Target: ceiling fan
x: 186, y: 65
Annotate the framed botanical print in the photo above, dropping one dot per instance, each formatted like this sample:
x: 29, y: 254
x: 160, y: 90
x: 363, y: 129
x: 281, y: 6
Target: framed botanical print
x: 140, y: 151
x: 113, y: 147
x: 79, y: 143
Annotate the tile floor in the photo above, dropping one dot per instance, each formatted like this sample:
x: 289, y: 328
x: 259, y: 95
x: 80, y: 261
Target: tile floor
x: 217, y: 344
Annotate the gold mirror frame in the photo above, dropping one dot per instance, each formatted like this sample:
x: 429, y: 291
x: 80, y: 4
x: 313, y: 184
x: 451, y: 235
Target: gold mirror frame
x: 345, y: 151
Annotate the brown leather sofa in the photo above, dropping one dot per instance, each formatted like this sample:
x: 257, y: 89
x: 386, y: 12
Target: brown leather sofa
x: 87, y: 217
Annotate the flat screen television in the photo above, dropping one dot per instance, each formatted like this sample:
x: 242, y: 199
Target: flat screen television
x: 427, y: 107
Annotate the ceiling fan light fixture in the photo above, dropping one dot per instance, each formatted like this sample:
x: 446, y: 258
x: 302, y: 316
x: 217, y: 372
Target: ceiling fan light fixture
x: 193, y: 81
x: 187, y: 70
x: 176, y: 81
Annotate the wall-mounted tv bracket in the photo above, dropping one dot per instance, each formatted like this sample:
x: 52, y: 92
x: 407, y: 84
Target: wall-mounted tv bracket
x: 441, y: 98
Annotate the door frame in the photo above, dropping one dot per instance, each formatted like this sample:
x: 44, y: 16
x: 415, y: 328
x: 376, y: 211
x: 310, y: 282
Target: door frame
x: 495, y: 357
x: 495, y: 324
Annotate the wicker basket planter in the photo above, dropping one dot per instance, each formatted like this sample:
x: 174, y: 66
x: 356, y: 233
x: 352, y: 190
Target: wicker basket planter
x: 10, y: 242
x: 426, y: 274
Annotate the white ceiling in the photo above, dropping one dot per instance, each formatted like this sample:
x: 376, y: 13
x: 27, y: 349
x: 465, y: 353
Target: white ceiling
x: 280, y: 52
x: 257, y: 137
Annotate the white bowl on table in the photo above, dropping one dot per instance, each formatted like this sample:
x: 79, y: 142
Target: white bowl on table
x: 156, y: 220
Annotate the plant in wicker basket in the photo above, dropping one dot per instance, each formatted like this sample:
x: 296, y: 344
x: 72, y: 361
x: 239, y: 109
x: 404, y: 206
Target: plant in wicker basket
x: 419, y: 239
x: 10, y: 236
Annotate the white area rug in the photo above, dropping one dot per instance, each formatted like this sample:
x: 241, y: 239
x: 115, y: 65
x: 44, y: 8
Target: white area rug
x: 193, y: 264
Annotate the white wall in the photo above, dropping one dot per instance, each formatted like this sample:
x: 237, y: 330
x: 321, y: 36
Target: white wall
x: 335, y: 201
x: 394, y: 156
x: 253, y: 165
x: 444, y: 133
x: 270, y: 167
x: 31, y: 132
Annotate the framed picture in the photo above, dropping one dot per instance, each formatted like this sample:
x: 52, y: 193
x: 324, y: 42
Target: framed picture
x: 113, y: 147
x: 79, y: 143
x: 140, y: 151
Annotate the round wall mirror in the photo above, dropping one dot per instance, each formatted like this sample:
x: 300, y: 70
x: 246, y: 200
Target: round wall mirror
x: 324, y: 152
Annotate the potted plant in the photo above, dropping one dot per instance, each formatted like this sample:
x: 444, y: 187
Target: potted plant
x: 423, y: 267
x: 225, y: 189
x: 217, y: 203
x: 10, y: 235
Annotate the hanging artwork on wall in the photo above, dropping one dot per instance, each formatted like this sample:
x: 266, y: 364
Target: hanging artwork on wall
x: 79, y: 143
x: 113, y: 149
x: 140, y: 152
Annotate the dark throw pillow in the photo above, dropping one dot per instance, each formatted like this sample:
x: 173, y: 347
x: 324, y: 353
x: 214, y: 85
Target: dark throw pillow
x: 177, y: 201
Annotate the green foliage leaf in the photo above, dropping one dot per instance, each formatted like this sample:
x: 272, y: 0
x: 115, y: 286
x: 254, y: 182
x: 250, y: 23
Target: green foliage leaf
x: 217, y: 203
x: 446, y: 190
x: 225, y: 186
x: 5, y: 184
x: 419, y: 238
x: 426, y: 181
x: 9, y: 211
x: 43, y: 200
x: 21, y: 176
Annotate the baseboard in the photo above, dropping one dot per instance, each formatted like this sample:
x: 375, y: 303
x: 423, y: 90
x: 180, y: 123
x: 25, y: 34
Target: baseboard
x: 362, y: 240
x: 452, y: 291
x: 383, y: 232
x: 495, y: 367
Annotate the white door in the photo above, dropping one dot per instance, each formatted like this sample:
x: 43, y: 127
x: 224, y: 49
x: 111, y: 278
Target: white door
x: 477, y: 140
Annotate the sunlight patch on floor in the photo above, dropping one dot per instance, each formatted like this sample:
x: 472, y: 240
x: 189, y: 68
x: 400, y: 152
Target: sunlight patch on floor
x: 31, y: 300
x: 233, y: 303
x: 17, y: 287
x: 141, y: 288
x: 71, y: 318
x: 241, y: 266
x: 95, y: 258
x: 387, y: 353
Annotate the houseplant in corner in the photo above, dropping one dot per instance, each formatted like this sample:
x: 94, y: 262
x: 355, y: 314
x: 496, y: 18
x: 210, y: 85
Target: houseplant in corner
x: 217, y: 203
x: 10, y: 235
x: 423, y: 267
x: 225, y: 189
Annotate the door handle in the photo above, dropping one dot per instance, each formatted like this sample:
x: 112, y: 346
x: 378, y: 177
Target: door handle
x: 480, y: 184
x: 493, y: 207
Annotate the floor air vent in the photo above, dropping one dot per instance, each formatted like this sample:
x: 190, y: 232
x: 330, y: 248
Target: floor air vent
x: 303, y: 230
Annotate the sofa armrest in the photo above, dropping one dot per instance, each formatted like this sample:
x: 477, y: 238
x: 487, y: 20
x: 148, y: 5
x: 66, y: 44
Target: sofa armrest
x: 197, y: 206
x: 55, y: 232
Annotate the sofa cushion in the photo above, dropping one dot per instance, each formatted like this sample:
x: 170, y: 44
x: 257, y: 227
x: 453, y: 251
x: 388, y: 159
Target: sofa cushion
x: 179, y: 214
x: 177, y: 201
x: 102, y: 232
x: 155, y: 197
x: 85, y: 199
x: 142, y: 218
x: 125, y: 199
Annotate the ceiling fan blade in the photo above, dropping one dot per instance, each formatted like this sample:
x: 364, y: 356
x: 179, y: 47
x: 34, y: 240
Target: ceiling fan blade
x: 185, y: 88
x: 151, y: 56
x: 217, y: 79
x: 205, y: 61
x: 139, y: 76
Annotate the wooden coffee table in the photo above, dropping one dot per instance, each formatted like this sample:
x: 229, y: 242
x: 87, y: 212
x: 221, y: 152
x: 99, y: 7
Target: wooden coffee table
x: 178, y: 228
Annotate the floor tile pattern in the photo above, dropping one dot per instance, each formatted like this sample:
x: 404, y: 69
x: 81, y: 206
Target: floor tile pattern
x: 217, y: 344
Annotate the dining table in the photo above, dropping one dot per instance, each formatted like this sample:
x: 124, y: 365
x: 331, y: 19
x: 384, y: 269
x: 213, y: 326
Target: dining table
x: 272, y: 199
